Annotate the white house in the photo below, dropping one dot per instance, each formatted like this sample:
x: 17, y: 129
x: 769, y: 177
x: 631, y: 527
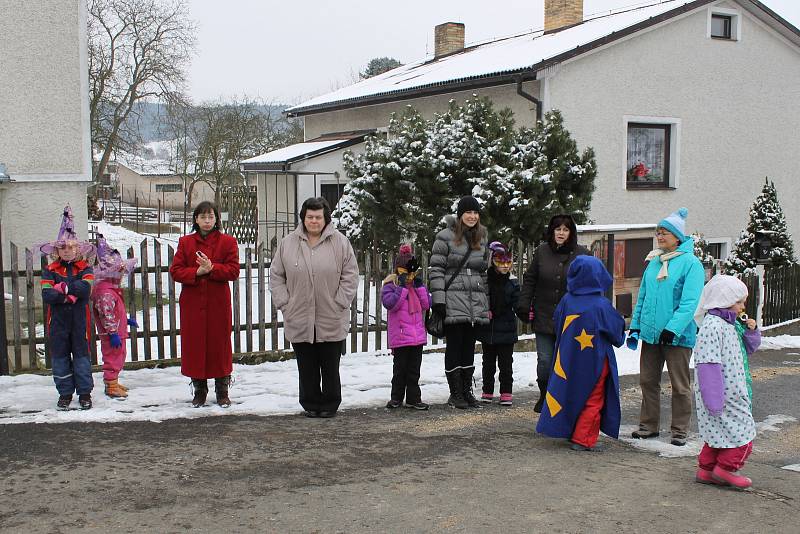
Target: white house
x: 703, y: 93
x: 44, y: 118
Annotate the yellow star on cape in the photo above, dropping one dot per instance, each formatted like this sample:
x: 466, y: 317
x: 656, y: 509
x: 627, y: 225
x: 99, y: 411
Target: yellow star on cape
x: 552, y: 404
x: 584, y: 339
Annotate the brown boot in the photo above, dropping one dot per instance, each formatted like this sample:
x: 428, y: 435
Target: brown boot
x: 114, y: 391
x: 200, y: 392
x: 123, y: 388
x: 221, y: 386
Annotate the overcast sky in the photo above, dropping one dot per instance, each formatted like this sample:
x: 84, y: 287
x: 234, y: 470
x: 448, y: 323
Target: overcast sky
x: 287, y: 51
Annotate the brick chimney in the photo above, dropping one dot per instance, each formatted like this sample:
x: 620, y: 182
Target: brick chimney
x: 560, y: 14
x: 449, y: 38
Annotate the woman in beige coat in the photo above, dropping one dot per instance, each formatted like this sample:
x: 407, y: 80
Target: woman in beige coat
x: 313, y: 280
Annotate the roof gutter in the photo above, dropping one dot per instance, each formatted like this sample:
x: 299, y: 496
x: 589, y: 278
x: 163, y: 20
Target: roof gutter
x: 528, y: 96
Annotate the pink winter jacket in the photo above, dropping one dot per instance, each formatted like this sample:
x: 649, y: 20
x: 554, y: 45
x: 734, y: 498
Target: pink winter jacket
x: 405, y: 328
x: 109, y: 309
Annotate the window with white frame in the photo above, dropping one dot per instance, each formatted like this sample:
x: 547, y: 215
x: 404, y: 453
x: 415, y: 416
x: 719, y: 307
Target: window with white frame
x: 169, y: 188
x: 724, y: 24
x: 648, y: 160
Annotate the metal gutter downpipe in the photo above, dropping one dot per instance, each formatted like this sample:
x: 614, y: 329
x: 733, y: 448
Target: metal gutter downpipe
x: 528, y: 96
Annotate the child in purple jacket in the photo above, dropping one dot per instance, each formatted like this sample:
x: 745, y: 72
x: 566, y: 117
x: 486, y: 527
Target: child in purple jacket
x: 406, y: 299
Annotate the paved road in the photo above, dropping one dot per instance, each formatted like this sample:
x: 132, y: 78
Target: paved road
x: 373, y: 471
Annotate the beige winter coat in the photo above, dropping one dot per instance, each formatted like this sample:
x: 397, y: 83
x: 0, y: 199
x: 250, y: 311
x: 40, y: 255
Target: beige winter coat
x: 314, y: 286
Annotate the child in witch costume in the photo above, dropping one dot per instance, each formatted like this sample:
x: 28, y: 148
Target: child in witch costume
x: 498, y: 338
x: 406, y: 299
x: 583, y: 390
x: 722, y: 387
x: 110, y: 316
x: 66, y: 285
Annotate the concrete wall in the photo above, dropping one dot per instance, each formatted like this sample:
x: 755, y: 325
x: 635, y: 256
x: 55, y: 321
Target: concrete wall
x: 737, y: 104
x: 44, y: 117
x: 378, y: 116
x: 133, y: 186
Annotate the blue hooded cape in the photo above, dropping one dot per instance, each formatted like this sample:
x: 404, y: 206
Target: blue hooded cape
x: 586, y: 328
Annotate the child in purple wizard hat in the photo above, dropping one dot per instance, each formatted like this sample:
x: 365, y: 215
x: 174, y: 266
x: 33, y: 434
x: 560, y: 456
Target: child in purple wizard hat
x: 110, y: 316
x: 66, y: 284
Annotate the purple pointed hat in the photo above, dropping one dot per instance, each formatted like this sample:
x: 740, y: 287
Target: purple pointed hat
x: 110, y: 264
x: 67, y: 234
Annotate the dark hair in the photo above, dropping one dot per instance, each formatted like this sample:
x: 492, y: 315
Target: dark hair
x: 473, y: 235
x: 205, y: 207
x: 555, y: 222
x: 315, y: 203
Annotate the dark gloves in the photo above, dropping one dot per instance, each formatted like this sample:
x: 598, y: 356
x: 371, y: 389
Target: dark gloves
x: 418, y: 281
x: 413, y: 265
x: 116, y: 342
x: 525, y: 314
x: 633, y: 339
x: 402, y: 279
x: 132, y: 322
x: 666, y: 338
x: 440, y: 309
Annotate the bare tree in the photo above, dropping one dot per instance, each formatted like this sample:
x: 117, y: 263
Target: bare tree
x: 138, y: 50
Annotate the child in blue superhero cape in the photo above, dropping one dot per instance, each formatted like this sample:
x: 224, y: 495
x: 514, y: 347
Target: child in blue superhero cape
x: 583, y: 390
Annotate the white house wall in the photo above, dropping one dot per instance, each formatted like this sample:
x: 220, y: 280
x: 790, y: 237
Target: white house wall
x: 377, y: 116
x: 44, y: 118
x: 737, y: 103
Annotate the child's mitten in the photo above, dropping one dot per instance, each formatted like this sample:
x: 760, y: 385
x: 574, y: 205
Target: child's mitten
x: 115, y: 340
x: 62, y: 288
x: 132, y: 322
x: 633, y: 339
x: 401, y: 280
x: 417, y: 281
x: 712, y: 387
x: 70, y: 299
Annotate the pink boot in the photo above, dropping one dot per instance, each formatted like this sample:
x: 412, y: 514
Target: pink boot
x: 505, y: 399
x: 731, y: 478
x: 704, y: 476
x: 487, y: 397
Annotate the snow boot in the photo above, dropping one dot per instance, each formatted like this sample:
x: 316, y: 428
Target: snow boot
x: 85, y: 400
x: 456, y: 399
x: 394, y: 404
x: 542, y: 392
x: 114, y: 390
x: 730, y: 478
x: 466, y: 384
x: 200, y: 392
x: 487, y: 398
x: 63, y: 402
x: 221, y: 386
x: 123, y: 388
x: 506, y: 399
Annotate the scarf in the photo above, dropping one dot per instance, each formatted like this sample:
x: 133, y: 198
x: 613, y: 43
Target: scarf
x: 663, y: 273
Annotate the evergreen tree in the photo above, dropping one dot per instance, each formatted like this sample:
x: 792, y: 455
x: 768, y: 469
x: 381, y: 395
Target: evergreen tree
x: 379, y: 65
x: 766, y: 216
x: 701, y: 248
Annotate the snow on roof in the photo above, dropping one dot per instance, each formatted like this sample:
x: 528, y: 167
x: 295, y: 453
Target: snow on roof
x: 143, y: 166
x: 298, y: 150
x: 502, y: 56
x: 614, y: 227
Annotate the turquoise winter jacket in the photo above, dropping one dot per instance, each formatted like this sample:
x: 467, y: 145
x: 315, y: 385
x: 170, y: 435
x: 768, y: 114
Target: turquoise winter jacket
x: 670, y: 304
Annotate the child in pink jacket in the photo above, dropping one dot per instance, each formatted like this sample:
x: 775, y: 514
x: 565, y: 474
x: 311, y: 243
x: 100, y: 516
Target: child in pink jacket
x: 406, y: 299
x: 111, y: 319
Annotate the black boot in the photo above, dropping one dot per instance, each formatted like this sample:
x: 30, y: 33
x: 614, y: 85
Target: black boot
x: 221, y: 386
x: 456, y: 399
x: 200, y: 392
x: 466, y: 385
x: 542, y: 391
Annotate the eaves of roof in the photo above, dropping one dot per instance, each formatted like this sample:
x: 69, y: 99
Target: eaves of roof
x: 514, y: 76
x: 281, y: 165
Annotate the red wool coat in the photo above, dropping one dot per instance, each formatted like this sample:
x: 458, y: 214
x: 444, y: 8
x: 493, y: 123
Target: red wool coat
x: 206, y: 304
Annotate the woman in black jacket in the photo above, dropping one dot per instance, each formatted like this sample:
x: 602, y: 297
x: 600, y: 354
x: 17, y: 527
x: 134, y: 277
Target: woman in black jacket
x: 544, y: 284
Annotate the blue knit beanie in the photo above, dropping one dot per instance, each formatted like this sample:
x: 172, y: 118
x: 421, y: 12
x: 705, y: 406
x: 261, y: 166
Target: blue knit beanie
x: 675, y: 222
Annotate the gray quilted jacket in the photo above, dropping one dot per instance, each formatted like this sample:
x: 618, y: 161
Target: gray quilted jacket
x: 466, y: 299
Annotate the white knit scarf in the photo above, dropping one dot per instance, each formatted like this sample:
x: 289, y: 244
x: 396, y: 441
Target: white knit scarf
x: 665, y: 257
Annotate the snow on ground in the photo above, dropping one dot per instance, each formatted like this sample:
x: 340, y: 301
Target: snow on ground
x: 780, y: 342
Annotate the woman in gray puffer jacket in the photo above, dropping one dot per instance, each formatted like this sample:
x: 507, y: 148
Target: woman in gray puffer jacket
x: 465, y: 303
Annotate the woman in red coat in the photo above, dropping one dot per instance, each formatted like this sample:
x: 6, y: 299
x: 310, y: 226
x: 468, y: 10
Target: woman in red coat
x: 204, y: 263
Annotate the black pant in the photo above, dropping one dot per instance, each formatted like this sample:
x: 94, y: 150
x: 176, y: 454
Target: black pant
x: 319, y: 362
x: 405, y: 374
x: 460, y: 350
x: 503, y: 355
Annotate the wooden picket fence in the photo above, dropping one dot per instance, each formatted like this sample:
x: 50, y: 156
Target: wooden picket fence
x: 256, y: 325
x: 781, y: 294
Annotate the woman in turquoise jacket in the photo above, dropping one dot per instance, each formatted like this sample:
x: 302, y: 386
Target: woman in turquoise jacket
x: 663, y: 320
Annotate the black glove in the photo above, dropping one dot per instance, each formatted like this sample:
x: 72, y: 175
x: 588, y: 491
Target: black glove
x: 440, y: 309
x: 522, y: 314
x: 413, y: 265
x: 666, y: 338
x: 418, y: 281
x: 401, y: 279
